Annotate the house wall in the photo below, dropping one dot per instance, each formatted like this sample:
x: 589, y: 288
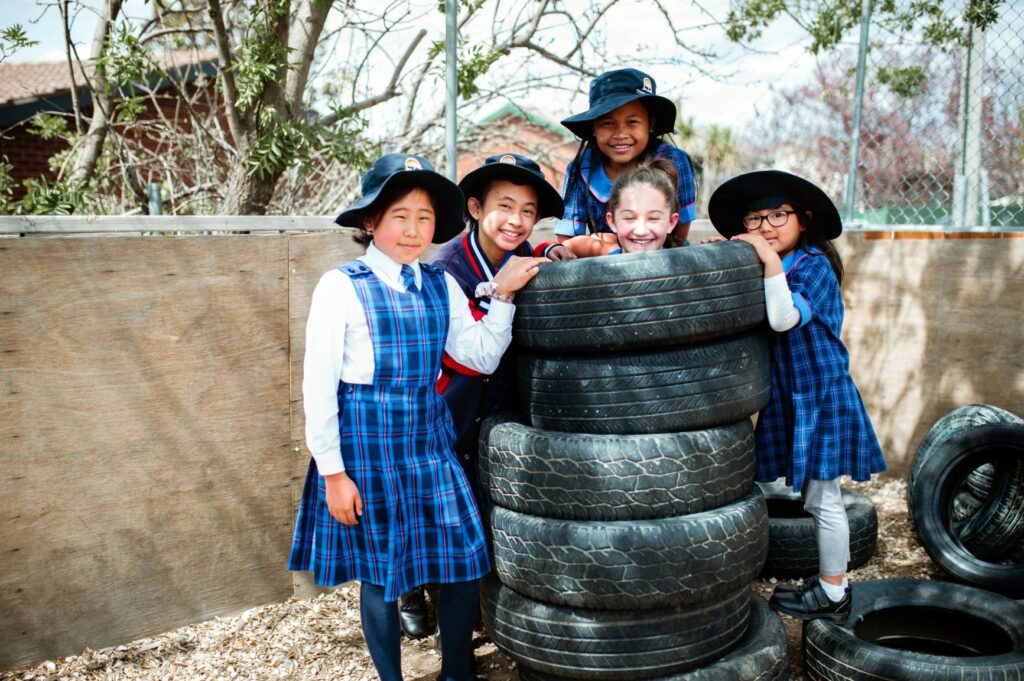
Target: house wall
x: 151, y: 435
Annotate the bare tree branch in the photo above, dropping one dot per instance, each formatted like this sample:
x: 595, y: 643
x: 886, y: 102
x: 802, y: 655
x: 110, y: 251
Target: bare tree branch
x: 389, y: 92
x: 227, y: 76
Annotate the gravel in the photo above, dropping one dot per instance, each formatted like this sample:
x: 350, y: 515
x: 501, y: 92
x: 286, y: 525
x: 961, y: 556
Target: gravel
x: 320, y: 638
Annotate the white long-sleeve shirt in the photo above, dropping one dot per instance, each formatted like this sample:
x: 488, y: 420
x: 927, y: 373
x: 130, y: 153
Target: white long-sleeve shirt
x: 338, y: 347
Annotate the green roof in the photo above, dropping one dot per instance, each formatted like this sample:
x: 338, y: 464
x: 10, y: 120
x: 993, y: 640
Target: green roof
x: 513, y: 110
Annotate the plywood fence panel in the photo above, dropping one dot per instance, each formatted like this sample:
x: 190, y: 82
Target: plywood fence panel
x: 932, y: 324
x: 144, y: 468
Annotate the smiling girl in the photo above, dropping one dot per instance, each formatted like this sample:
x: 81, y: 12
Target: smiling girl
x: 622, y: 127
x: 385, y: 500
x: 814, y: 428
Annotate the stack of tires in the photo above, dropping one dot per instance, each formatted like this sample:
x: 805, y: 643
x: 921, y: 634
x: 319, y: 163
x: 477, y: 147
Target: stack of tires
x: 626, y: 526
x: 965, y: 493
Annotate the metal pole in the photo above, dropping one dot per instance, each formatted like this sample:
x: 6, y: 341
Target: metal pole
x: 451, y: 14
x: 858, y: 102
x: 154, y: 198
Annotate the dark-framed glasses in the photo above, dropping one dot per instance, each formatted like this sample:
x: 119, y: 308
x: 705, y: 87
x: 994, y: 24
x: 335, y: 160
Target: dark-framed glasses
x: 776, y: 218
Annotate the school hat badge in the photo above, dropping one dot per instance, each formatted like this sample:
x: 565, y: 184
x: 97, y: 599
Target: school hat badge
x: 612, y: 89
x: 408, y: 170
x: 519, y: 170
x: 761, y: 189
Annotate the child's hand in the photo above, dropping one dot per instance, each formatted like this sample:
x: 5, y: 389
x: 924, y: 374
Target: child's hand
x: 771, y: 260
x: 514, y: 274
x: 712, y: 239
x: 343, y: 500
x: 560, y: 252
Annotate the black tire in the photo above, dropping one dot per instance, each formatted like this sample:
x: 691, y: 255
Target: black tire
x: 761, y: 655
x: 614, y: 477
x: 965, y: 505
x: 937, y: 475
x: 980, y: 481
x: 793, y: 542
x: 632, y: 564
x: 609, y: 644
x: 909, y: 630
x: 658, y: 391
x: 957, y: 421
x: 632, y: 301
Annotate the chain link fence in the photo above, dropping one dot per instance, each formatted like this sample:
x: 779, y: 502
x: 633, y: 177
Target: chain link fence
x: 941, y: 137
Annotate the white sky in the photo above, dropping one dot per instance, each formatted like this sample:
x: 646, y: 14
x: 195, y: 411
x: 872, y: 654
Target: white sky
x: 737, y: 88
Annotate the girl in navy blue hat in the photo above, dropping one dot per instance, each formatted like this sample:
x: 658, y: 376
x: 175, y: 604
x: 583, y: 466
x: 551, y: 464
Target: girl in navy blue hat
x: 815, y: 427
x: 386, y: 501
x: 623, y: 126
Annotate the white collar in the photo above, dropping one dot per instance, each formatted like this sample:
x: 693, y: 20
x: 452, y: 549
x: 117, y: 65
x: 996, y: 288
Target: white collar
x: 392, y: 269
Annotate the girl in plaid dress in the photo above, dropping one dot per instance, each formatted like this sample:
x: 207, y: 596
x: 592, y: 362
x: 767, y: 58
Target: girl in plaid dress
x: 815, y: 428
x: 385, y: 500
x: 623, y: 126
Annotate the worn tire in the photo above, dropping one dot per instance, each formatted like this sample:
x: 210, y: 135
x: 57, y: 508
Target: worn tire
x: 980, y: 481
x: 937, y: 474
x: 761, y: 655
x: 656, y: 391
x: 632, y: 564
x: 909, y: 630
x: 642, y: 300
x: 611, y: 644
x: 614, y: 477
x: 793, y: 541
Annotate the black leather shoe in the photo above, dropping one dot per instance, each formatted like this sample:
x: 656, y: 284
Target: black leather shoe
x: 412, y: 614
x: 809, y: 601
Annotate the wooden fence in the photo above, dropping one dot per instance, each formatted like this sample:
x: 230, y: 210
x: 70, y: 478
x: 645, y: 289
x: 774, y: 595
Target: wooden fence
x: 151, y: 438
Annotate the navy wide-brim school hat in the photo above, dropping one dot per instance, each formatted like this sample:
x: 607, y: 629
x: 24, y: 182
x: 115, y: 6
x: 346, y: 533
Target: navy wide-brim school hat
x: 518, y: 170
x: 761, y: 189
x: 613, y: 89
x: 409, y: 170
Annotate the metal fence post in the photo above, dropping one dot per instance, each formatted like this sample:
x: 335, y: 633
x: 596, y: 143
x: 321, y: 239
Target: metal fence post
x: 858, y: 102
x: 451, y: 35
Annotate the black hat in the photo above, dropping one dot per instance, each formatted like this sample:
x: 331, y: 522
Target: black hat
x: 611, y: 90
x: 517, y: 169
x: 408, y: 170
x: 735, y: 197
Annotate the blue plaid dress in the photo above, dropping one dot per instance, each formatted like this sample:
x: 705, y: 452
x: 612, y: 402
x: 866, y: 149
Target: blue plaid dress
x: 815, y: 425
x: 420, y: 523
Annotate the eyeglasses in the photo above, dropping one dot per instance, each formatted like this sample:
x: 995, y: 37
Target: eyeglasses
x: 776, y: 218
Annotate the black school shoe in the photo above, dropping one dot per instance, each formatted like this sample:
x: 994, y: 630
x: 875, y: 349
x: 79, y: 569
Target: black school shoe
x: 412, y: 614
x: 808, y: 601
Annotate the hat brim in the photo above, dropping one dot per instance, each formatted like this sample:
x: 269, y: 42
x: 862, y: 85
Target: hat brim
x: 448, y: 202
x: 661, y: 109
x: 549, y: 202
x: 729, y: 202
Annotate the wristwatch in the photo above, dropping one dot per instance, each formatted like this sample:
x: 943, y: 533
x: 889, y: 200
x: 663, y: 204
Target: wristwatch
x: 488, y: 289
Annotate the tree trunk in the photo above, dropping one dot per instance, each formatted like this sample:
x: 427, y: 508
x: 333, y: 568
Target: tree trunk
x: 245, y: 193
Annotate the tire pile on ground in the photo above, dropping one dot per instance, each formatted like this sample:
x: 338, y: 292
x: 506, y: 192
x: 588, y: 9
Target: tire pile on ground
x: 965, y: 493
x: 626, y: 526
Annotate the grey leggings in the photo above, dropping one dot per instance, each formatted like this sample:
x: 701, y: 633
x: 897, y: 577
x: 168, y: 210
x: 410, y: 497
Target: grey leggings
x: 824, y: 501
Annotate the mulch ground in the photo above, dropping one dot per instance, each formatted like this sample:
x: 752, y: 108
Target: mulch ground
x: 320, y: 638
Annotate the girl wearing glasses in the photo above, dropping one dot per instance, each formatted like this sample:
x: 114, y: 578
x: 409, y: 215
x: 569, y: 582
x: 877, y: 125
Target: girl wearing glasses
x: 815, y: 428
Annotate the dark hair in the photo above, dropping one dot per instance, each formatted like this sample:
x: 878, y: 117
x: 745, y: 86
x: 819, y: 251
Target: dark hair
x: 572, y: 171
x: 659, y: 173
x: 471, y: 222
x: 811, y: 236
x: 393, y: 192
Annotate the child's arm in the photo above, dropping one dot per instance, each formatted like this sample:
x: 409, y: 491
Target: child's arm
x: 479, y: 345
x: 782, y: 313
x: 343, y: 500
x: 590, y: 245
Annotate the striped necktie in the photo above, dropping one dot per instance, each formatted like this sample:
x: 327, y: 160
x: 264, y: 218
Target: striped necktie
x: 409, y: 279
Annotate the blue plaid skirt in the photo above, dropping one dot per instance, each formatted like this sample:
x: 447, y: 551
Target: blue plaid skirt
x: 420, y: 523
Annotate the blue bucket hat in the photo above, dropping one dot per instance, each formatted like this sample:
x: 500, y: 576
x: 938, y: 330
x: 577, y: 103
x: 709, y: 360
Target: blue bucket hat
x: 761, y: 189
x: 408, y: 170
x: 612, y: 89
x: 517, y: 169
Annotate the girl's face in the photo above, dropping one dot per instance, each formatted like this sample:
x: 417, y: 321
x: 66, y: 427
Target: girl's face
x: 622, y: 135
x: 782, y: 239
x: 405, y: 229
x: 642, y: 220
x: 506, y: 217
